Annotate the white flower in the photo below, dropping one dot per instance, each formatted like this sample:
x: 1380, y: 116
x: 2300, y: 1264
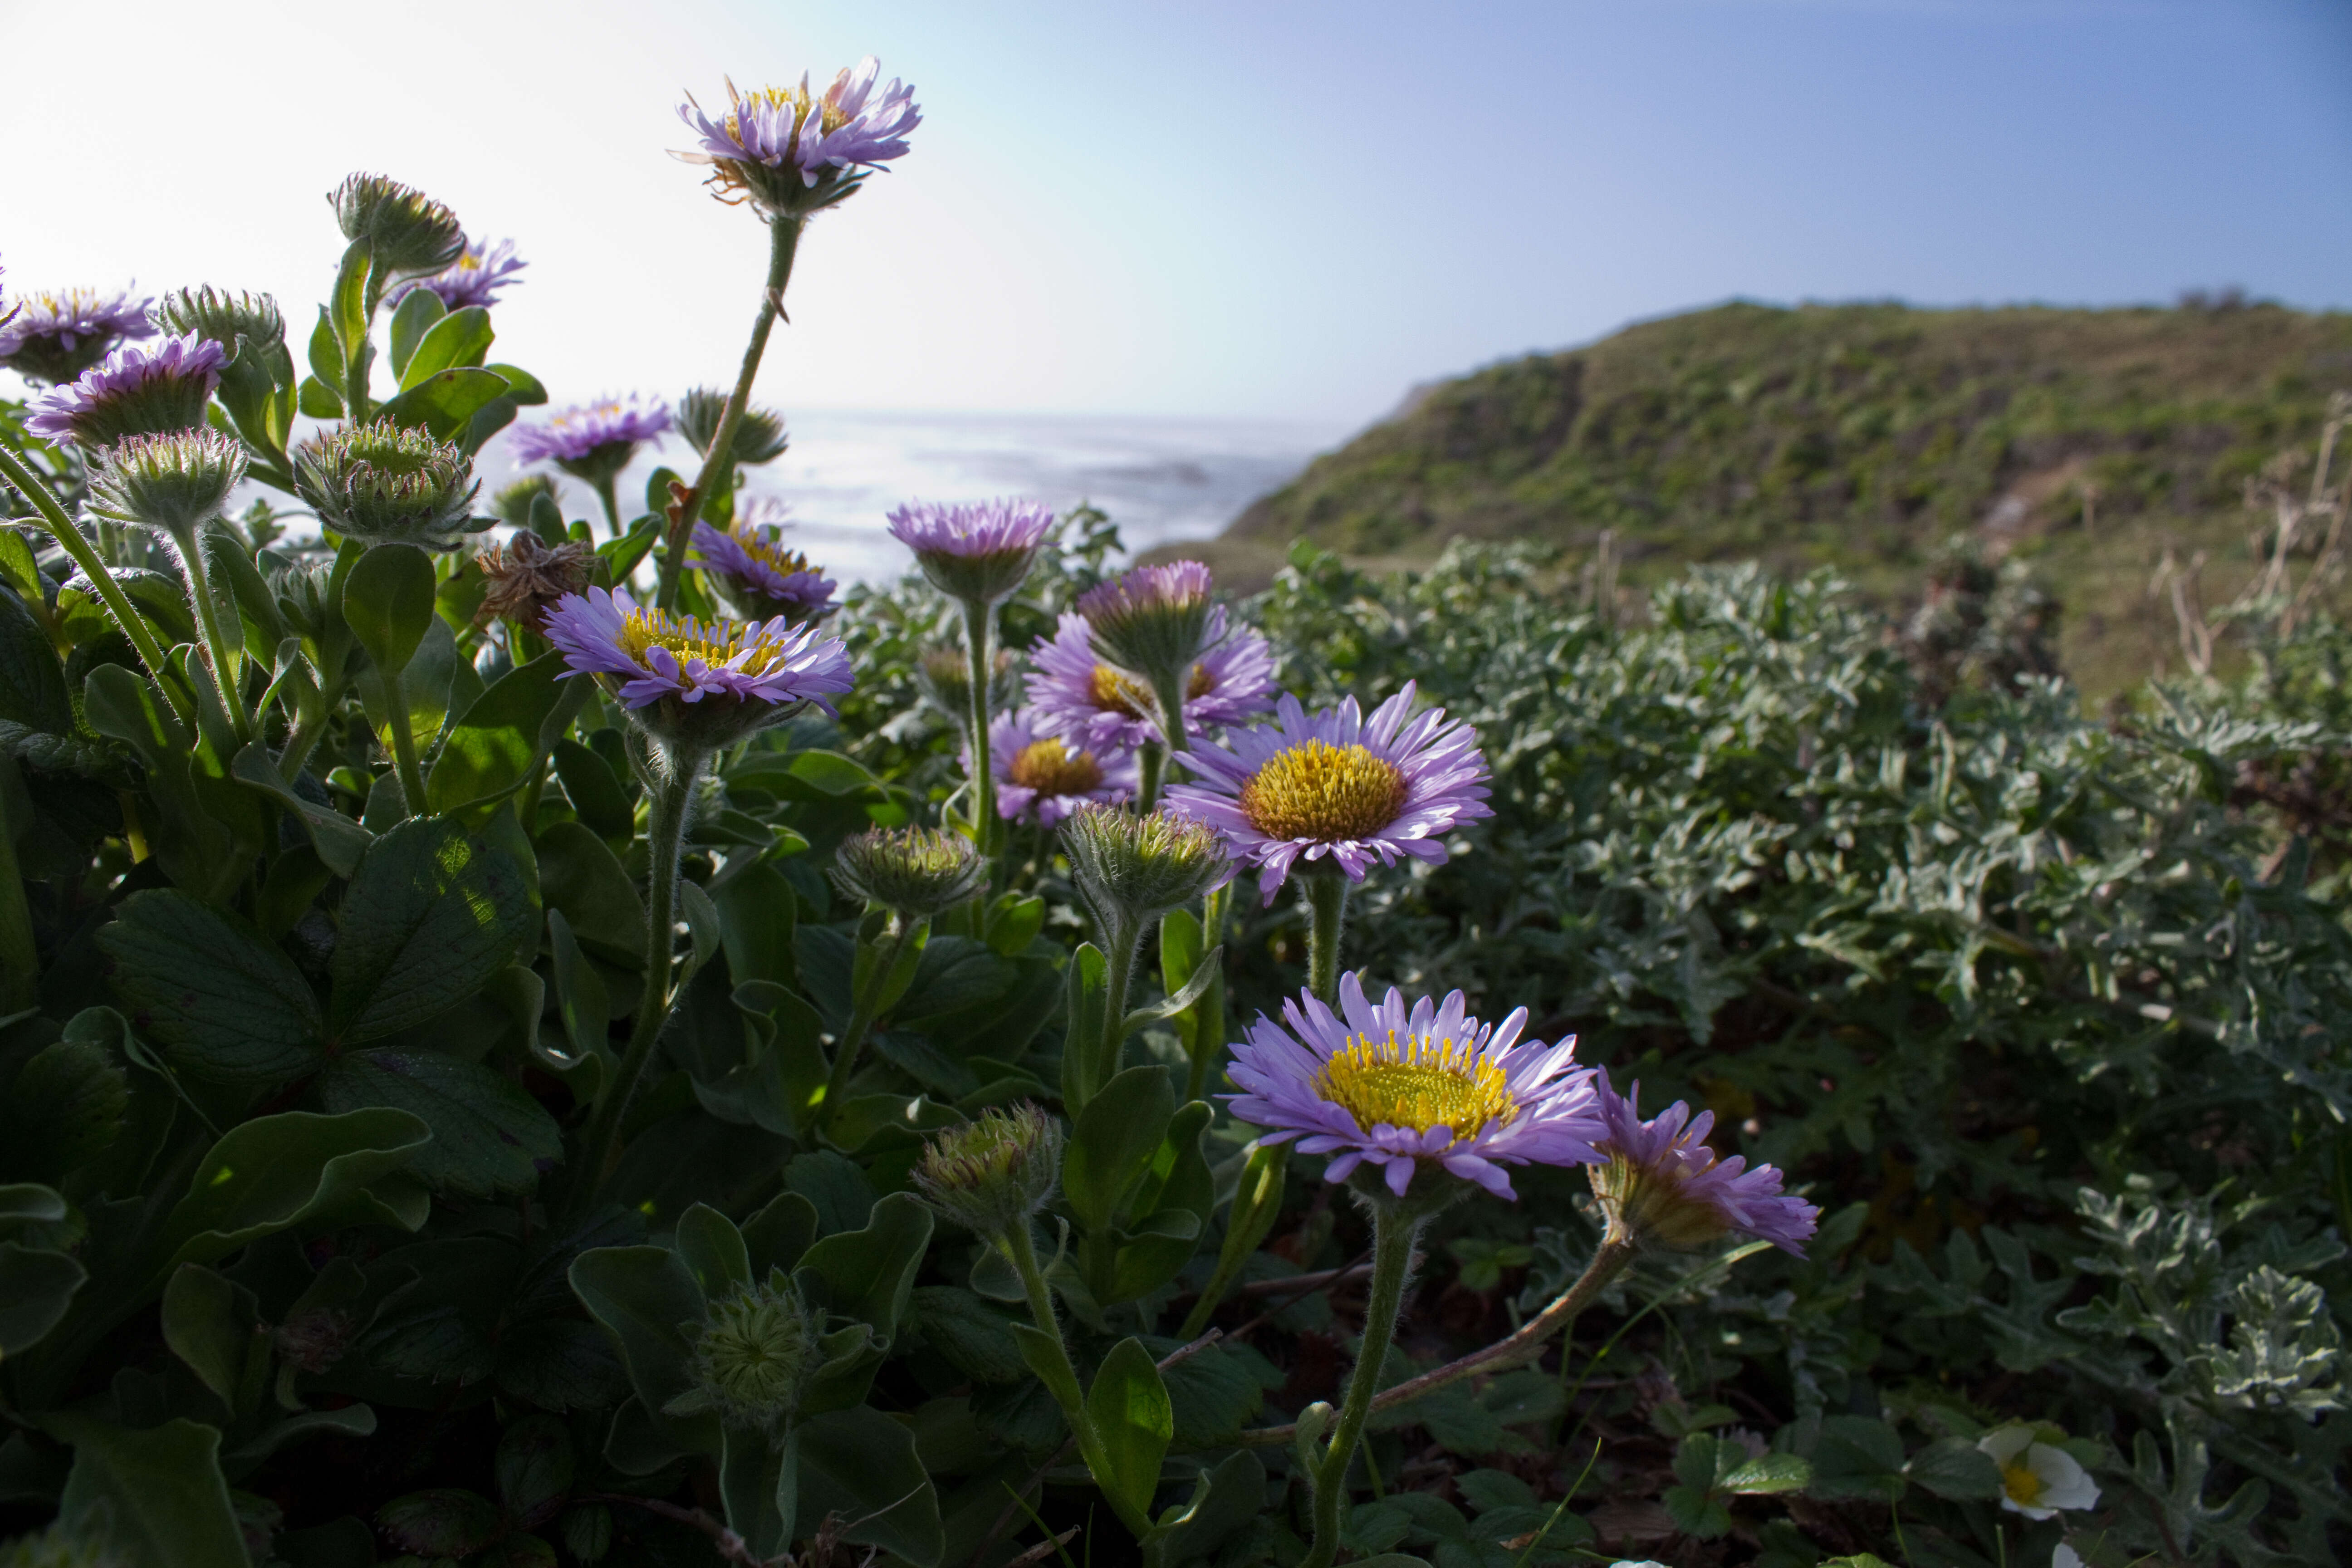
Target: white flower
x: 2037, y: 1479
x: 2064, y: 1556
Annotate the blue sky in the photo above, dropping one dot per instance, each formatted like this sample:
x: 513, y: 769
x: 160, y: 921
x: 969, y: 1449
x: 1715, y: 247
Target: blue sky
x: 1260, y: 210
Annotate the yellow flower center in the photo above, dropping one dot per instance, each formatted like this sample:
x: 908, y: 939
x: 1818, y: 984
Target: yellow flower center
x: 2022, y: 1485
x: 796, y: 98
x: 1421, y: 1081
x: 713, y: 642
x: 768, y: 551
x: 1050, y: 767
x: 1316, y: 790
x: 1113, y: 692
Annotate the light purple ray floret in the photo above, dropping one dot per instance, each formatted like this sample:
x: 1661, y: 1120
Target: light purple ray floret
x: 475, y: 278
x: 718, y: 550
x: 584, y: 426
x: 54, y: 414
x: 1018, y: 801
x: 1672, y: 1146
x: 74, y: 315
x: 1444, y: 777
x: 1176, y: 583
x: 970, y: 528
x: 768, y: 129
x: 773, y: 661
x: 1551, y: 1119
x: 1235, y: 678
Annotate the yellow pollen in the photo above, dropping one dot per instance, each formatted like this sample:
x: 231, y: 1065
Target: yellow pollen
x: 713, y: 642
x: 1319, y: 790
x: 1421, y: 1081
x: 1124, y: 695
x: 1049, y: 767
x: 2021, y: 1484
x: 762, y: 548
x: 829, y: 116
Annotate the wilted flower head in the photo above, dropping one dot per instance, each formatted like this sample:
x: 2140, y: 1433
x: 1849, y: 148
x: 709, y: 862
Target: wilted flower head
x: 220, y: 317
x: 592, y: 441
x: 915, y: 871
x: 315, y: 1338
x: 694, y: 682
x: 474, y: 278
x: 944, y: 674
x: 1401, y: 1087
x: 994, y: 1172
x: 1133, y: 870
x: 757, y: 576
x: 528, y: 576
x: 511, y: 503
x: 388, y: 483
x: 138, y: 391
x: 1659, y: 1182
x: 2037, y: 1479
x: 979, y: 552
x: 173, y: 481
x: 759, y: 435
x: 752, y: 1355
x: 789, y: 152
x: 1104, y: 708
x: 1340, y: 786
x: 1043, y: 778
x: 408, y: 232
x: 54, y: 335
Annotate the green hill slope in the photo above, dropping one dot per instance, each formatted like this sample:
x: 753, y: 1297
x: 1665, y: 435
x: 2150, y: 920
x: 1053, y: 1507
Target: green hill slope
x: 1856, y: 435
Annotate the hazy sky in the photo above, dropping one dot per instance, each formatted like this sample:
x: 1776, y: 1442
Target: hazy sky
x: 1255, y: 208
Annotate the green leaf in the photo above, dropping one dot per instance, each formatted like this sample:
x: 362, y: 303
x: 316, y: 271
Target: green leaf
x: 441, y: 1522
x: 388, y: 603
x: 1133, y: 1421
x: 1087, y: 987
x: 1223, y: 1502
x: 976, y: 1338
x: 275, y: 1172
x: 1013, y: 922
x: 605, y: 807
x: 1112, y: 1145
x: 645, y: 1296
x: 414, y: 317
x: 713, y: 1251
x: 755, y: 1491
x: 430, y: 917
x: 862, y: 1465
x: 227, y: 1005
x: 535, y: 1468
x: 1169, y: 1006
x: 36, y: 1290
x: 349, y: 301
x: 318, y: 399
x: 1696, y: 1513
x: 67, y: 1103
x: 208, y: 1321
x: 338, y: 840
x: 1956, y: 1468
x: 461, y: 338
x: 495, y: 746
x: 490, y: 1139
x: 779, y: 1234
x: 165, y: 1501
x: 32, y: 681
x: 521, y: 385
x: 445, y: 402
x: 1857, y: 1459
x: 872, y: 1271
x: 578, y: 875
x: 1179, y: 958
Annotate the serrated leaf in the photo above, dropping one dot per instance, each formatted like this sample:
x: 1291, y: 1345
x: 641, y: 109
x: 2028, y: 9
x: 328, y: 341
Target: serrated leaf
x: 490, y: 1139
x: 224, y: 1003
x: 430, y: 917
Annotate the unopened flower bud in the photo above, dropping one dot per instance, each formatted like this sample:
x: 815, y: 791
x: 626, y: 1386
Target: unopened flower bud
x: 759, y: 435
x: 1313, y: 1422
x: 944, y: 674
x: 408, y: 231
x: 528, y: 576
x: 752, y: 1355
x: 994, y: 1173
x: 218, y: 316
x: 387, y: 484
x: 1133, y: 870
x: 512, y: 501
x: 1153, y: 622
x: 173, y: 483
x: 915, y: 871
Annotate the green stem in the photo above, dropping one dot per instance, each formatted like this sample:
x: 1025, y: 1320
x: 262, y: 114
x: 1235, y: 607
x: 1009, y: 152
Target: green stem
x: 1169, y: 693
x: 1394, y: 1229
x: 85, y: 555
x: 979, y: 621
x: 862, y: 1015
x: 20, y: 955
x: 611, y: 497
x: 403, y: 742
x: 1121, y: 942
x: 1209, y: 1013
x: 308, y: 728
x: 224, y: 667
x: 1257, y: 1200
x: 783, y: 239
x: 664, y: 835
x: 1062, y: 1377
x: 1326, y: 908
x: 1153, y: 758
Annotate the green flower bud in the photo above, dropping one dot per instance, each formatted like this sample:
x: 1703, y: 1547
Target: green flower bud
x: 758, y: 436
x: 1313, y: 1422
x: 174, y: 482
x: 995, y: 1172
x: 220, y: 316
x: 1133, y: 870
x: 511, y: 503
x: 915, y: 871
x: 389, y: 485
x: 944, y: 674
x: 752, y: 1355
x: 410, y: 232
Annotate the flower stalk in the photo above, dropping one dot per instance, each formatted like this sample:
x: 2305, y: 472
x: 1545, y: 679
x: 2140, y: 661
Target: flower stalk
x: 1326, y: 917
x: 979, y: 620
x: 864, y: 1010
x: 1059, y: 1375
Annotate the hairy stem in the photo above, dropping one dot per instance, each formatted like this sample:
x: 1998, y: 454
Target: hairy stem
x: 1257, y: 1200
x: 783, y: 240
x: 1393, y: 1232
x: 611, y: 497
x: 1209, y: 1013
x: 224, y: 666
x: 1061, y: 1378
x: 1152, y: 759
x: 978, y: 622
x: 403, y: 742
x: 862, y: 1014
x: 1121, y: 940
x: 20, y: 956
x: 1326, y: 908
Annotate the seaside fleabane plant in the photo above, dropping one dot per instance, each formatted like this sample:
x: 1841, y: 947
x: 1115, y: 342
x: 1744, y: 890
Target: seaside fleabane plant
x: 789, y: 152
x: 54, y: 335
x: 138, y: 391
x: 1042, y: 778
x: 1102, y: 707
x: 1420, y: 1105
x: 1660, y: 1184
x: 752, y: 570
x: 594, y: 441
x: 478, y: 275
x: 1153, y: 624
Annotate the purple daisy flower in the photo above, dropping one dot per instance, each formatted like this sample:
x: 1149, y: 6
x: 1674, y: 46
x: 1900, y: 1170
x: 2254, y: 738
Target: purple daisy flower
x: 592, y: 433
x: 55, y: 336
x: 978, y: 552
x: 1078, y: 695
x: 477, y: 274
x: 757, y: 576
x: 1398, y: 1088
x: 1337, y: 786
x: 849, y: 127
x: 138, y: 391
x: 1660, y: 1181
x: 649, y: 656
x: 1042, y: 778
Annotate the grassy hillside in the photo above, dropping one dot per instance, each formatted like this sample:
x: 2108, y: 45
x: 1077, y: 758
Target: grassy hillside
x: 1856, y: 435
